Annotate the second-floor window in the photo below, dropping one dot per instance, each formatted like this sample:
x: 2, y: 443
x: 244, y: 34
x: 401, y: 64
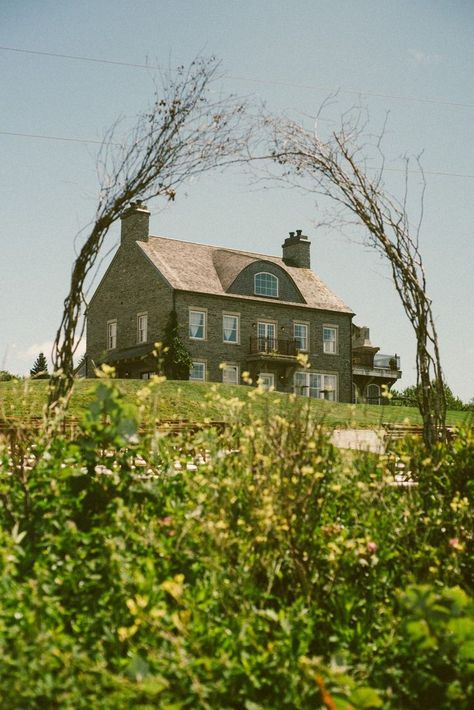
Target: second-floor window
x: 111, y: 334
x: 197, y: 324
x: 230, y: 328
x: 329, y: 339
x: 300, y: 334
x: 266, y: 284
x: 142, y: 327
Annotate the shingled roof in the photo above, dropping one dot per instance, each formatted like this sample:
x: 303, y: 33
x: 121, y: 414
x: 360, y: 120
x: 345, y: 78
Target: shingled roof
x: 202, y: 268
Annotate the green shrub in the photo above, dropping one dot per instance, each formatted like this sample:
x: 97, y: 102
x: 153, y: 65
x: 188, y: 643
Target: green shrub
x: 257, y: 567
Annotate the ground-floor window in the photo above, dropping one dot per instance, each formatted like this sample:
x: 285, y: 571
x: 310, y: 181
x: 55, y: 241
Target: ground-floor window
x: 373, y: 394
x: 266, y: 380
x: 198, y: 371
x: 230, y: 374
x: 146, y: 375
x: 318, y: 385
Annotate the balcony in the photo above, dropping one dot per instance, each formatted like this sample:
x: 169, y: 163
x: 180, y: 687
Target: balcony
x: 376, y: 365
x: 282, y: 349
x: 387, y: 362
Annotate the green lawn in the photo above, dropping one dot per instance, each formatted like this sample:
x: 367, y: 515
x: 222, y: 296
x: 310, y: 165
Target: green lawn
x: 196, y: 401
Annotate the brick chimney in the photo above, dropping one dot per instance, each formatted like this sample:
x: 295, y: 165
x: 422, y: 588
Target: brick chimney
x: 135, y: 224
x: 296, y: 250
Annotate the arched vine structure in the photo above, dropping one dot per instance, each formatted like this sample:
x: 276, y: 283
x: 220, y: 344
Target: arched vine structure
x: 336, y: 168
x: 188, y: 130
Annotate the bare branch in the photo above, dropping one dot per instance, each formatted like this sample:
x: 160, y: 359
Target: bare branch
x: 338, y: 168
x: 183, y: 134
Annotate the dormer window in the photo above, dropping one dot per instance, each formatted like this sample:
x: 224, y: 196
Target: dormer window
x: 266, y: 284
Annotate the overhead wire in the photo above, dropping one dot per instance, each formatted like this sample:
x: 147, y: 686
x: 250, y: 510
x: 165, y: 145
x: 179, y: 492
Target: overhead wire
x: 274, y: 82
x: 229, y: 76
x: 41, y: 136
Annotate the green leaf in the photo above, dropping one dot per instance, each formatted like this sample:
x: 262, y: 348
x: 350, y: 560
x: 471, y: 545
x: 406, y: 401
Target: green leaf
x: 154, y: 685
x: 466, y: 652
x: 138, y: 668
x: 365, y: 697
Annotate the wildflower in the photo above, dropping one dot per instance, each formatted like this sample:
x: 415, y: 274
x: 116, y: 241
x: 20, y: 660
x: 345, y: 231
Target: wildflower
x: 372, y: 547
x: 167, y: 520
x: 455, y: 544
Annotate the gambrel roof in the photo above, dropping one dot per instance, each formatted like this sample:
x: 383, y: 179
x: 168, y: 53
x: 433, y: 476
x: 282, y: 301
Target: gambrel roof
x: 202, y: 268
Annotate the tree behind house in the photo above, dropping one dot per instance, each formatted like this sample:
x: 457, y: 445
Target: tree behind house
x: 409, y: 397
x: 40, y: 368
x: 176, y: 359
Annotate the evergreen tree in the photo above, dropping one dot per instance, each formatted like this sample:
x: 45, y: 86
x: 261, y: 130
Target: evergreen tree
x: 176, y: 359
x: 39, y: 371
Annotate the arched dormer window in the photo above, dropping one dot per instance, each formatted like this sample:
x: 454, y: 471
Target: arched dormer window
x: 266, y: 284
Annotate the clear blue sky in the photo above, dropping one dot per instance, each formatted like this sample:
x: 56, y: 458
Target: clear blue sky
x: 289, y: 55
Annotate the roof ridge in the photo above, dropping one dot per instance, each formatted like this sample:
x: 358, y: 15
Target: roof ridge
x: 215, y: 246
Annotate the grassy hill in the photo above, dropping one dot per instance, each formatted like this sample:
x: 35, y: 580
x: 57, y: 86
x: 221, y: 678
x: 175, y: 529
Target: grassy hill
x: 196, y: 401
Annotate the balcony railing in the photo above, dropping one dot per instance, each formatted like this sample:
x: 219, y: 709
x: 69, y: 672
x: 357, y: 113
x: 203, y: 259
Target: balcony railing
x: 378, y: 361
x: 260, y: 345
x: 387, y: 362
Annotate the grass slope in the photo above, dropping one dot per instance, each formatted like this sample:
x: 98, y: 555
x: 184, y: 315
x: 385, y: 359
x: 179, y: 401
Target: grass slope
x: 196, y: 401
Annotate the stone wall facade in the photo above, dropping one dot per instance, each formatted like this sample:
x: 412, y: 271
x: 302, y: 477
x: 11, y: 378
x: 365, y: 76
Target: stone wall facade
x: 214, y: 351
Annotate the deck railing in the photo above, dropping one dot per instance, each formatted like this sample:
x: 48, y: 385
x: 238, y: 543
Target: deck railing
x: 377, y: 361
x: 276, y: 346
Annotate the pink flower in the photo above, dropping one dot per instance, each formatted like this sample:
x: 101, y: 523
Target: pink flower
x: 454, y: 542
x: 372, y: 547
x: 168, y: 520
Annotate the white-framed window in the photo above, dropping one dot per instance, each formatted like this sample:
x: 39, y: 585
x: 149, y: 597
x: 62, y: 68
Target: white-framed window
x: 330, y: 344
x: 111, y: 334
x: 197, y: 324
x: 300, y: 335
x: 231, y: 328
x: 316, y: 384
x: 142, y: 327
x: 266, y: 380
x: 198, y: 371
x: 266, y: 284
x: 230, y: 374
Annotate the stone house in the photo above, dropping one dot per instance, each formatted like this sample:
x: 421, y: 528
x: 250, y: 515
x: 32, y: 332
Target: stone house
x: 237, y: 311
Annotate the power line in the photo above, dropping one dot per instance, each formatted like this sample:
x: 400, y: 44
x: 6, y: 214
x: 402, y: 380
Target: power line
x: 54, y: 138
x: 356, y: 92
x: 41, y: 136
x: 427, y: 172
x: 311, y: 87
x: 79, y: 58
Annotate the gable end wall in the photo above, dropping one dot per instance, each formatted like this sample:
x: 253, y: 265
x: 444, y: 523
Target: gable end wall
x: 131, y: 285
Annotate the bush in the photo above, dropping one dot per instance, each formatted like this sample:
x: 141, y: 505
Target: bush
x: 257, y: 567
x: 6, y: 376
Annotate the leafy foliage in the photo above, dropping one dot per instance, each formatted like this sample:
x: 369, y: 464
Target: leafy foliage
x: 40, y: 368
x: 6, y: 376
x: 176, y: 358
x: 409, y: 396
x: 254, y: 568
